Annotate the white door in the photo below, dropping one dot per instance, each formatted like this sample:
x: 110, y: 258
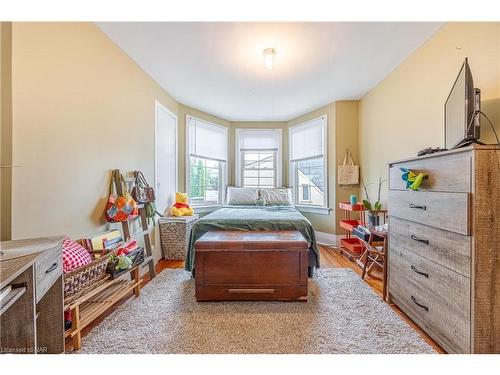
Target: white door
x: 166, y: 158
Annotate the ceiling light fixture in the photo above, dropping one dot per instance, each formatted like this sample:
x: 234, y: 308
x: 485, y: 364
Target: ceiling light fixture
x: 269, y: 54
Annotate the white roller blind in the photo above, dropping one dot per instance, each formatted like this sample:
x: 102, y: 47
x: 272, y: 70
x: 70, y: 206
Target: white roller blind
x: 259, y: 139
x: 307, y: 140
x: 207, y: 140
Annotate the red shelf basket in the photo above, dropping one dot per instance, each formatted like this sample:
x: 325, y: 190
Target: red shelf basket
x: 352, y: 244
x: 349, y: 224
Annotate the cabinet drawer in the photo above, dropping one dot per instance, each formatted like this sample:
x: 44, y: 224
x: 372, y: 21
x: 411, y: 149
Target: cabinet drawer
x: 448, y: 211
x: 449, y: 249
x: 48, y: 268
x: 446, y: 173
x: 436, y: 298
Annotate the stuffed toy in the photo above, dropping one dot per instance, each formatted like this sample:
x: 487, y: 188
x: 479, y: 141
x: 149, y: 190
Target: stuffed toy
x: 124, y: 262
x: 181, y: 206
x: 413, y: 181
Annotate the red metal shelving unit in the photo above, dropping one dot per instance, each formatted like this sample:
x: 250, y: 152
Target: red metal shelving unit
x: 351, y: 246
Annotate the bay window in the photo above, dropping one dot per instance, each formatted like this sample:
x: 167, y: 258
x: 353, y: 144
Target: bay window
x: 206, y: 162
x: 308, y: 165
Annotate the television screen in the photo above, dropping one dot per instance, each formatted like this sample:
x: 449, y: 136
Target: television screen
x: 459, y: 108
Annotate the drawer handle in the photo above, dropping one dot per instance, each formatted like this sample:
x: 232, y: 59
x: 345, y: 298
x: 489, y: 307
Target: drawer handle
x: 413, y: 237
x: 414, y: 269
x: 411, y: 205
x: 251, y: 291
x: 418, y: 304
x: 51, y: 268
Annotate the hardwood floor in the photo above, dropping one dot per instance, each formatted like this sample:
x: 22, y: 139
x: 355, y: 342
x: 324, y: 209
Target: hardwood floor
x: 329, y: 258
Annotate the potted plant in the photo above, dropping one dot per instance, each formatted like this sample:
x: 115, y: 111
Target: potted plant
x: 373, y: 208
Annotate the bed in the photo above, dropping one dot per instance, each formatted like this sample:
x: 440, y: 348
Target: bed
x: 255, y: 218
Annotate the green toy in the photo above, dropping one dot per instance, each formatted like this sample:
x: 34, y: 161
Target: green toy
x: 124, y: 263
x: 413, y: 181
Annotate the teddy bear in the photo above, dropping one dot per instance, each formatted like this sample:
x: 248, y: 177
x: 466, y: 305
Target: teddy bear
x: 181, y: 206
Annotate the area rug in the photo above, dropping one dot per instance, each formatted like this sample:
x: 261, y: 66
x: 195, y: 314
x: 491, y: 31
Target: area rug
x: 343, y: 315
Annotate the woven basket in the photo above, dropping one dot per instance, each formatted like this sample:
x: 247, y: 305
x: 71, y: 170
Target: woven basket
x: 174, y: 235
x: 84, y: 279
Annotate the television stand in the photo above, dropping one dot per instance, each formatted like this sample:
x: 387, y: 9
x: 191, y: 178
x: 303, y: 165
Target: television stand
x: 467, y: 142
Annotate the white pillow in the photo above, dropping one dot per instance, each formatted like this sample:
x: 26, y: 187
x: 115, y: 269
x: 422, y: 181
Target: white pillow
x: 237, y: 196
x: 277, y: 197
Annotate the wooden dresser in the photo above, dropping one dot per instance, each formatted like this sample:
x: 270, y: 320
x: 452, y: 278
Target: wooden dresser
x: 31, y: 307
x: 444, y: 248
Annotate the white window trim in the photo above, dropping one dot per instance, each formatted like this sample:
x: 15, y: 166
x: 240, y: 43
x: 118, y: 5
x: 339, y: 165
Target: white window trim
x: 324, y: 209
x: 222, y: 188
x: 238, y: 160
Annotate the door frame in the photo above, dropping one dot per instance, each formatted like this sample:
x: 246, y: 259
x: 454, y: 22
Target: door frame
x: 158, y: 105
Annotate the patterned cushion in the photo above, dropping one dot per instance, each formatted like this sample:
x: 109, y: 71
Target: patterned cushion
x: 74, y: 255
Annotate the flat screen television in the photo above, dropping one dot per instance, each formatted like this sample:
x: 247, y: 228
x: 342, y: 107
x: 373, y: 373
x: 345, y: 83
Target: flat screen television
x: 461, y: 119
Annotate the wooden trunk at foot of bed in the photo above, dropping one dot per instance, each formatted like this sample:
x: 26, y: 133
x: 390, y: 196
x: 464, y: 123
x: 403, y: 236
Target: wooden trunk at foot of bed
x: 251, y: 266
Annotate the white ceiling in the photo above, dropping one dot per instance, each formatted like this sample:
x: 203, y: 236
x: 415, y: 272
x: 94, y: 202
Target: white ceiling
x: 218, y: 67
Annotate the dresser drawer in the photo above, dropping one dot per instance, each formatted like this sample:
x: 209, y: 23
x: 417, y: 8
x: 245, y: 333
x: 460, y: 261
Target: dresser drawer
x: 448, y: 211
x: 48, y: 268
x: 449, y: 249
x: 444, y: 173
x: 436, y: 298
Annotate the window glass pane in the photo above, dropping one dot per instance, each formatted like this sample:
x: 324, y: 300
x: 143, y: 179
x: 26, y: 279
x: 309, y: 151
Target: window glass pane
x: 251, y: 173
x: 266, y: 181
x: 267, y: 173
x: 309, y: 178
x: 205, y: 181
x: 212, y: 163
x: 251, y: 181
x: 267, y: 164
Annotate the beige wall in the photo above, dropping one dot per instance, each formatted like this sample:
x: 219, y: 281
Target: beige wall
x: 5, y: 129
x: 404, y: 113
x: 81, y: 107
x: 346, y: 137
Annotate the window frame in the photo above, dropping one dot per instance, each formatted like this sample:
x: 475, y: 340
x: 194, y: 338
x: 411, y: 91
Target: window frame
x: 223, y: 166
x: 238, y: 162
x: 293, y: 167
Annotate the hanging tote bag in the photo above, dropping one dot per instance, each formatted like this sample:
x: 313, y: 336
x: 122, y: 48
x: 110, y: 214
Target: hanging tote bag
x: 348, y: 172
x: 120, y: 207
x: 142, y: 192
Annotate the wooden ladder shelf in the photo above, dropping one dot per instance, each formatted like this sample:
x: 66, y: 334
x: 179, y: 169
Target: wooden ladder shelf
x: 149, y: 261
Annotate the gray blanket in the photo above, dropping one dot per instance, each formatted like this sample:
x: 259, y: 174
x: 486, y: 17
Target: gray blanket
x: 253, y: 218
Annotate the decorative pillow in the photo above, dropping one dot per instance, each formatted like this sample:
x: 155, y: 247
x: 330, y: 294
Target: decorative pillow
x: 277, y: 197
x: 74, y: 255
x: 237, y: 196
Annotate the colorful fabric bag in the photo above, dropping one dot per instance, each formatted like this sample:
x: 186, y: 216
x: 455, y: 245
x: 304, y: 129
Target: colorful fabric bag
x: 120, y: 207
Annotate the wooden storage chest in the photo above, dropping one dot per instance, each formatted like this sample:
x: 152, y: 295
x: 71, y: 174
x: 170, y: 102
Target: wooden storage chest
x: 236, y: 265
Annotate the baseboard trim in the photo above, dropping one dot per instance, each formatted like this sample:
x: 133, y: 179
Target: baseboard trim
x: 327, y: 239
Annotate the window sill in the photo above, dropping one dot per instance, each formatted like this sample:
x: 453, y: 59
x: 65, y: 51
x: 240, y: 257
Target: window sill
x: 314, y: 209
x: 205, y: 209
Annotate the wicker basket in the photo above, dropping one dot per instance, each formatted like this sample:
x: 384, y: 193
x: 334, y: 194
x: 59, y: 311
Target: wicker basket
x: 174, y: 235
x: 84, y: 279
